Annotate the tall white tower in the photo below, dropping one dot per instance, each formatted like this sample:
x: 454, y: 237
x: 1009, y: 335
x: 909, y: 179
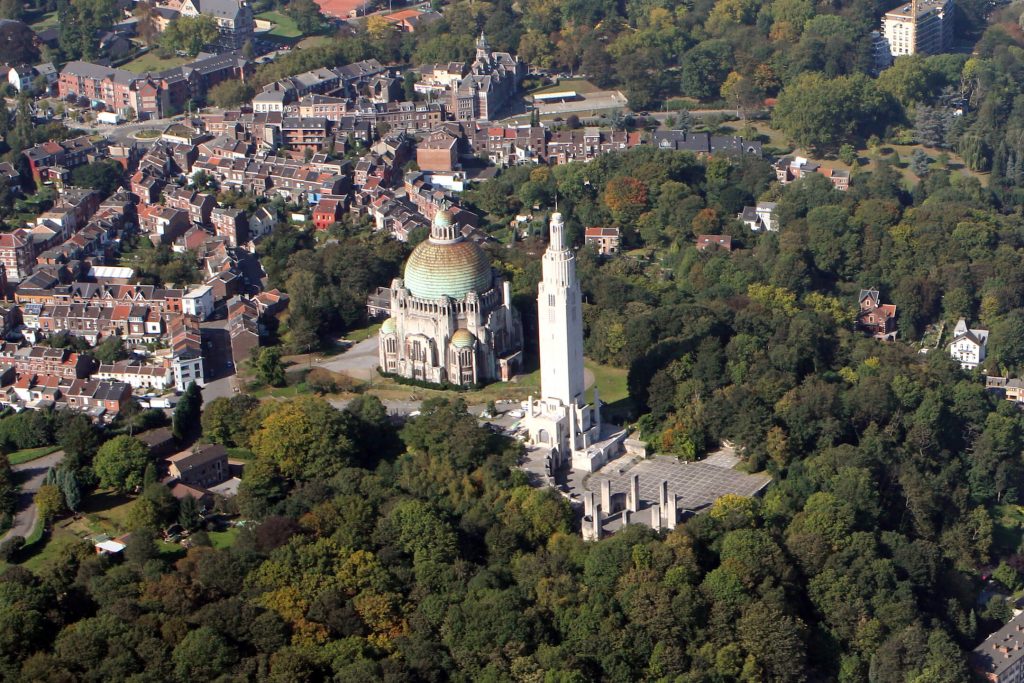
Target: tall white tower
x: 561, y: 422
x: 560, y: 318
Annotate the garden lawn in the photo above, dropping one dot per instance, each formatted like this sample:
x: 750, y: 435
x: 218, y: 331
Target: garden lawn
x: 223, y: 539
x: 45, y: 21
x: 153, y: 62
x: 284, y: 26
x: 18, y: 457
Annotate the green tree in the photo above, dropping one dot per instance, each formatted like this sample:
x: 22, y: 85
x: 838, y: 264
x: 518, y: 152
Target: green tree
x: 49, y: 502
x: 188, y: 513
x: 104, y: 176
x: 186, y: 418
x: 268, y: 366
x: 121, y: 462
x: 190, y: 34
x: 230, y: 94
x: 202, y: 655
x: 304, y: 438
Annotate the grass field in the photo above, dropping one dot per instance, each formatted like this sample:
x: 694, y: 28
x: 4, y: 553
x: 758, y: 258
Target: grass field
x: 284, y: 26
x: 102, y: 513
x: 314, y: 41
x: 153, y: 62
x: 224, y: 539
x: 45, y: 21
x: 18, y: 457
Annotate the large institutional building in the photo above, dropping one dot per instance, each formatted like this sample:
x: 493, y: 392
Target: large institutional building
x: 451, y: 317
x: 921, y: 26
x: 561, y: 421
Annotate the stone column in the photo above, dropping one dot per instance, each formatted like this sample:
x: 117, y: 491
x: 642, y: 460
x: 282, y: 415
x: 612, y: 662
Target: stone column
x: 606, y: 496
x: 633, y: 498
x: 625, y: 517
x: 596, y: 524
x: 656, y: 517
x: 673, y: 511
x: 663, y: 501
x: 588, y: 504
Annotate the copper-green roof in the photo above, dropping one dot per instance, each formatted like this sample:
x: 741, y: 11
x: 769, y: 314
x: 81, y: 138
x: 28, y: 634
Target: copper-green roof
x: 388, y: 326
x: 437, y: 269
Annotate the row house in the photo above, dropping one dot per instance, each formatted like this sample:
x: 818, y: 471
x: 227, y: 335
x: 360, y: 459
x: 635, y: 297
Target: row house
x: 162, y: 223
x: 705, y: 144
x: 186, y: 353
x: 42, y: 360
x: 147, y: 187
x: 199, y: 205
x: 32, y: 391
x: 588, y: 143
x: 80, y: 320
x: 65, y: 155
x: 17, y: 254
x: 139, y: 377
x: 429, y: 199
x: 244, y: 328
x: 230, y: 224
x: 163, y: 300
x: 100, y: 398
x: 413, y: 117
x: 264, y: 175
x: 510, y: 145
x: 397, y: 216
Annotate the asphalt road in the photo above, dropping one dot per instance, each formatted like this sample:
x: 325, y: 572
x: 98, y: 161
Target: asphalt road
x: 30, y: 475
x: 219, y: 365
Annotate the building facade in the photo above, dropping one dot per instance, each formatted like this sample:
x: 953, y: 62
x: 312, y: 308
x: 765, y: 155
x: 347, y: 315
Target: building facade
x: 451, y: 316
x: 921, y: 26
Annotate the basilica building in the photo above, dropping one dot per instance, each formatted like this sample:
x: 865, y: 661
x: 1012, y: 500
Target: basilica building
x: 451, y: 316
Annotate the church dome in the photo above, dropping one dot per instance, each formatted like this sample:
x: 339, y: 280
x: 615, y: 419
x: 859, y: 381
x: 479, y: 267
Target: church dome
x: 462, y: 338
x: 446, y: 264
x: 388, y: 326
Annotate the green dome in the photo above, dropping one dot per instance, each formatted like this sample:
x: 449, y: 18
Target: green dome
x: 388, y: 326
x: 462, y: 338
x: 438, y: 269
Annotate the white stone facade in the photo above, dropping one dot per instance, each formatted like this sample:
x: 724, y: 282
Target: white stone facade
x: 451, y: 317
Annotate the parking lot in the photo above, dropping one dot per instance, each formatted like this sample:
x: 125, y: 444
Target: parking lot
x: 586, y: 102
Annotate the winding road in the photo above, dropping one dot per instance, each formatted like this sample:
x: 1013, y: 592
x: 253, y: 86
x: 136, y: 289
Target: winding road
x: 29, y: 475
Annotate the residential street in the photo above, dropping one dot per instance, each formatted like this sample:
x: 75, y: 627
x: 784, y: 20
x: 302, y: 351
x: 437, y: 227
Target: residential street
x: 30, y: 475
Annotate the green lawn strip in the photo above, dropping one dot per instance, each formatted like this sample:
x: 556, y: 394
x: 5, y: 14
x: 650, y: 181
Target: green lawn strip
x: 224, y: 539
x: 577, y: 84
x: 18, y: 457
x: 240, y: 454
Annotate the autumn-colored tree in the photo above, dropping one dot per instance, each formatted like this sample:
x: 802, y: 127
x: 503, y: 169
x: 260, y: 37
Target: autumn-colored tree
x: 626, y: 198
x: 706, y: 222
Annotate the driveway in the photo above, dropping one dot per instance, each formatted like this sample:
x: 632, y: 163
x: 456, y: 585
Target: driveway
x: 30, y: 475
x: 359, y: 362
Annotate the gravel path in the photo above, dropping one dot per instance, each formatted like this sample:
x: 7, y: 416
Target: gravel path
x: 30, y: 476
